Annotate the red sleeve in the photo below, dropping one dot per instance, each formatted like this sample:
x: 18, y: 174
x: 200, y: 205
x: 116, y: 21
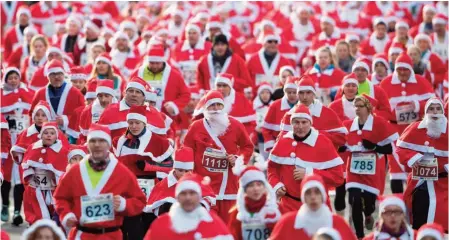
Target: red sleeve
x: 199, y: 73
x: 135, y: 199
x: 383, y: 107
x: 245, y: 145
x: 182, y: 95
x: 273, y: 173
x: 234, y: 225
x: 269, y: 134
x: 63, y: 195
x: 333, y: 177
x: 14, y: 59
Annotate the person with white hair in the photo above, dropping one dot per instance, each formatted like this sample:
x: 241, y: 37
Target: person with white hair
x: 423, y: 151
x: 123, y: 53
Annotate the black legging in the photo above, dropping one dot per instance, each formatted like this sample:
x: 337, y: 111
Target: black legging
x: 420, y: 206
x: 340, y: 197
x: 132, y: 228
x: 362, y: 202
x: 397, y: 186
x: 18, y: 195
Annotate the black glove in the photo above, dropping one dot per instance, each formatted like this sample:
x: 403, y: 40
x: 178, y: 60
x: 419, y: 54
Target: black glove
x: 342, y: 149
x: 140, y: 164
x: 368, y: 145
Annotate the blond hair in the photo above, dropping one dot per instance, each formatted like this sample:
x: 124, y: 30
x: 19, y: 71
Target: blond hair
x: 365, y: 102
x: 332, y: 56
x: 38, y: 37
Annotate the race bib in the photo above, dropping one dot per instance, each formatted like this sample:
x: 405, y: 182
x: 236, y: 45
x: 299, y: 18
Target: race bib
x: 267, y: 78
x: 363, y: 163
x: 255, y: 231
x: 188, y: 70
x: 43, y: 179
x: 405, y: 115
x: 146, y: 185
x: 214, y: 160
x: 98, y: 208
x: 18, y: 123
x: 260, y: 116
x: 158, y: 88
x: 425, y: 170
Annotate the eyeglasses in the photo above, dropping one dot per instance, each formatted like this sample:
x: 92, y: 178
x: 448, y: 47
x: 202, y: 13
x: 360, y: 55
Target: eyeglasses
x: 359, y: 106
x: 272, y: 41
x: 393, y: 212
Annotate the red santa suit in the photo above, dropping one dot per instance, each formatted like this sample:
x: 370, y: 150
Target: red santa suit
x: 272, y: 123
x: 415, y: 147
x: 322, y: 40
x: 171, y: 89
x: 196, y: 224
x: 42, y: 166
x: 45, y: 17
x: 304, y: 223
x: 28, y: 69
x: 6, y: 165
x: 21, y: 51
x: 395, y: 41
x: 125, y: 61
x: 9, y: 14
x: 186, y: 58
x: 315, y: 154
x: 440, y: 46
x: 325, y: 80
x: 205, y: 143
x: 14, y: 36
x: 80, y: 54
x: 351, y: 21
x: 372, y: 45
x: 119, y: 80
x: 434, y: 63
x: 116, y: 180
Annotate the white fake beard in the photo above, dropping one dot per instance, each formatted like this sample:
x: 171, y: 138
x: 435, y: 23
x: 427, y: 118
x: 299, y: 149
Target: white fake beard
x: 435, y: 127
x: 314, y: 220
x: 182, y: 221
x: 218, y: 121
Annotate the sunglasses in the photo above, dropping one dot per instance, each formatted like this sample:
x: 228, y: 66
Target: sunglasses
x: 272, y: 41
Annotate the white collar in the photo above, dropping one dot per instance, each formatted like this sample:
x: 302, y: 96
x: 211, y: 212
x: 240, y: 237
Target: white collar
x: 423, y: 124
x: 310, y: 140
x: 315, y: 108
x: 199, y: 45
x: 123, y: 106
x: 55, y: 147
x: 183, y: 222
x: 284, y: 103
x: 368, y: 126
x: 395, y: 78
x: 304, y: 217
x: 327, y: 72
x: 171, y: 179
x: 32, y: 130
x: 21, y: 86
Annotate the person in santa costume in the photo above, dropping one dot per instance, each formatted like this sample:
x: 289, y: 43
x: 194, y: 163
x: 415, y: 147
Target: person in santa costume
x: 261, y: 105
x: 380, y: 68
x: 343, y: 56
x: 421, y: 66
x: 407, y: 94
x: 124, y: 56
x: 46, y: 14
x: 18, y: 55
x: 256, y: 211
x: 75, y: 155
x: 393, y: 53
x: 425, y: 27
x: 344, y: 106
x: 326, y: 75
x: 235, y: 103
x: 423, y: 145
x: 329, y: 35
x: 185, y: 118
x: 129, y: 27
x: 264, y: 65
x: 67, y: 41
x: 312, y: 215
x: 187, y: 219
x: 222, y: 60
x: 401, y: 36
x: 43, y: 163
x: 95, y: 50
x: 365, y: 169
x: 78, y: 78
x: 284, y: 72
x: 14, y: 36
x: 92, y: 28
x: 9, y: 14
x: 376, y: 42
x: 36, y: 58
x: 172, y: 92
x: 272, y: 123
x: 392, y: 223
x: 430, y: 231
x: 440, y: 36
x: 217, y: 140
x: 43, y: 229
x: 101, y: 182
x: 57, y: 92
x: 186, y: 54
x: 104, y: 68
x: 298, y: 152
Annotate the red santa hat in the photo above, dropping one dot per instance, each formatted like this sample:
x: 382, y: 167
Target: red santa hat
x: 288, y: 68
x: 350, y: 78
x: 77, y: 150
x: 361, y: 62
x: 404, y: 61
x: 128, y: 24
x: 156, y: 54
x: 91, y: 87
x: 334, y: 234
x: 400, y: 24
x: 9, y: 70
x: 270, y: 35
x: 23, y: 10
x: 147, y: 31
x: 265, y: 86
x: 392, y: 200
x: 433, y: 100
x: 45, y: 107
x: 429, y: 8
x: 433, y: 230
x: 118, y: 35
x: 306, y: 83
x: 214, y: 22
x: 371, y: 100
x: 440, y: 19
x: 138, y: 83
x: 184, y: 158
x: 225, y: 78
x: 193, y: 26
x: 396, y: 48
x: 379, y: 20
x: 108, y: 28
x: 291, y: 82
x: 54, y: 66
x: 30, y: 30
x: 301, y: 111
x: 94, y: 24
x: 49, y: 125
x: 73, y: 19
x: 151, y: 95
x: 137, y: 113
x: 382, y: 58
x: 312, y: 181
x: 105, y: 86
x: 104, y: 57
x: 212, y: 97
x: 327, y: 19
x: 352, y: 37
x: 195, y: 92
x: 78, y: 73
x: 53, y: 49
x: 41, y: 223
x: 422, y: 36
x: 191, y: 181
x: 99, y: 131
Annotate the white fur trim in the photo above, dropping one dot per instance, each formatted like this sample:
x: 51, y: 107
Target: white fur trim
x: 224, y: 80
x: 429, y: 232
x: 270, y: 126
x: 404, y: 65
x: 76, y: 152
x: 54, y: 70
x: 251, y: 176
x: 192, y: 27
x: 394, y: 50
x: 246, y: 119
x: 187, y: 185
x: 212, y: 101
x: 360, y: 64
x: 290, y: 85
x: 312, y: 184
x: 99, y: 134
x: 364, y: 187
x: 267, y: 145
x: 122, y: 206
x: 301, y: 115
x: 306, y: 88
x: 350, y: 80
x: 175, y: 108
x: 329, y: 231
x: 44, y: 222
x: 66, y: 217
x: 437, y: 20
x: 391, y: 200
x: 136, y: 116
x: 103, y: 89
x: 155, y: 59
x: 183, y: 165
x: 103, y: 59
x: 136, y: 86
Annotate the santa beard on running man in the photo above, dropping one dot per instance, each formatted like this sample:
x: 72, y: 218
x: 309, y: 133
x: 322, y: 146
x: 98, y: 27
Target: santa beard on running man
x: 218, y: 121
x: 435, y: 127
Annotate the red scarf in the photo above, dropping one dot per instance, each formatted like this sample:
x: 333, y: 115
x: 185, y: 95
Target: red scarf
x: 254, y: 206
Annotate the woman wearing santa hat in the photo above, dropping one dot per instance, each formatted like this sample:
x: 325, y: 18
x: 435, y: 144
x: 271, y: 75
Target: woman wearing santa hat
x: 44, y: 163
x: 18, y: 55
x: 103, y: 70
x: 380, y: 68
x: 78, y: 78
x: 261, y: 104
x: 365, y: 168
x: 256, y: 210
x: 392, y: 223
x: 313, y: 214
x: 284, y: 72
x: 37, y: 57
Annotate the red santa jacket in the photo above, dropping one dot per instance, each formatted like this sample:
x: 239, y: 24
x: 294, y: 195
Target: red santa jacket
x: 370, y: 46
x: 343, y: 108
x: 8, y: 14
x: 39, y: 79
x: 416, y: 90
x: 127, y: 63
x: 12, y: 39
x: 394, y: 40
x: 290, y: 225
x: 325, y: 121
x: 238, y: 107
x: 80, y: 54
x: 329, y: 78
x: 436, y: 67
x: 70, y: 100
x: 29, y: 69
x: 260, y: 71
x: 18, y: 99
x: 18, y: 55
x: 45, y: 17
x: 413, y: 145
x: 287, y: 51
x: 316, y: 154
x: 322, y: 40
x: 272, y: 122
x: 164, y: 192
x: 234, y: 141
x: 116, y: 180
x: 378, y: 131
x: 5, y: 147
x: 90, y: 114
x: 233, y: 65
x: 173, y: 90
